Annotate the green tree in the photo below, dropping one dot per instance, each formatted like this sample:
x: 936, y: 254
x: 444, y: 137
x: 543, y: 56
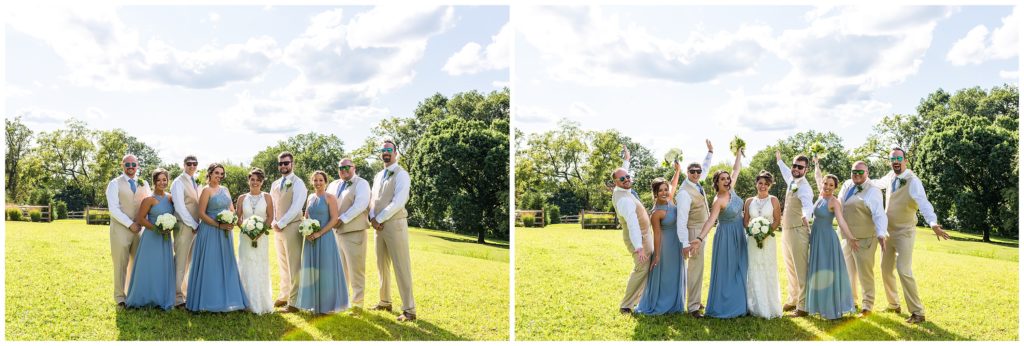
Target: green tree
x: 66, y: 152
x: 19, y: 141
x: 312, y: 151
x: 835, y: 160
x: 112, y: 146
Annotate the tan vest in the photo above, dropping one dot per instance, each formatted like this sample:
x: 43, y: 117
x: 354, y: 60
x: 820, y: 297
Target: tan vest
x: 792, y: 211
x: 190, y: 197
x: 902, y: 209
x: 698, y: 207
x: 641, y: 215
x: 857, y: 214
x: 386, y: 193
x: 283, y: 199
x: 130, y: 202
x: 348, y: 197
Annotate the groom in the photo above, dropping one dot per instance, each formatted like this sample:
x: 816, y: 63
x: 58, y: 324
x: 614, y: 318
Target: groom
x: 289, y: 196
x: 636, y: 233
x: 124, y: 195
x: 389, y: 218
x: 865, y: 215
x: 691, y: 213
x: 906, y: 196
x: 796, y: 233
x: 185, y: 195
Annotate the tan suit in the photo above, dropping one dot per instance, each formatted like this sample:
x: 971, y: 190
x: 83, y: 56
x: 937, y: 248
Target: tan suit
x: 899, y: 251
x: 351, y: 237
x: 124, y: 242
x: 695, y: 263
x: 392, y: 241
x: 184, y: 236
x: 796, y: 240
x: 638, y: 277
x: 860, y: 264
x: 289, y: 243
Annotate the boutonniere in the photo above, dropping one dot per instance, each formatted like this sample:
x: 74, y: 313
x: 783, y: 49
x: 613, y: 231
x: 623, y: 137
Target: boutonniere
x: 859, y: 188
x: 793, y: 186
x: 902, y: 181
x: 142, y: 182
x: 287, y: 184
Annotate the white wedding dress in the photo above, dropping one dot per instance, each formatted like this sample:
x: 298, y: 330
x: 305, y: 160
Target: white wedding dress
x: 253, y: 262
x: 763, y: 299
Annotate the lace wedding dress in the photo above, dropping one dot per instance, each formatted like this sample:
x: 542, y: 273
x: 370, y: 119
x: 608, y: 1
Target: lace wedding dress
x: 253, y: 262
x: 763, y: 299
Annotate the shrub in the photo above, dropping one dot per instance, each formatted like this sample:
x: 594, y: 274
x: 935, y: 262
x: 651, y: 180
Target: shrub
x: 528, y: 220
x: 35, y: 215
x: 14, y: 214
x: 60, y: 209
x: 553, y: 213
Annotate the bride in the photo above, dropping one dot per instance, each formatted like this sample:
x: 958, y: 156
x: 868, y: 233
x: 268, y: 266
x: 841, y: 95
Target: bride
x: 763, y: 299
x: 253, y: 265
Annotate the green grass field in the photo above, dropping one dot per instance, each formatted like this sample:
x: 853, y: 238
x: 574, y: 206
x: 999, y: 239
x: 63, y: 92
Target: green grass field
x: 58, y: 287
x: 569, y: 283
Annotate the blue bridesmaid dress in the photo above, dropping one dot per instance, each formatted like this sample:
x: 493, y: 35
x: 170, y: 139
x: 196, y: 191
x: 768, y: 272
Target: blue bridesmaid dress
x: 727, y: 294
x: 152, y: 281
x: 828, y: 284
x: 665, y: 283
x: 322, y: 287
x: 213, y: 281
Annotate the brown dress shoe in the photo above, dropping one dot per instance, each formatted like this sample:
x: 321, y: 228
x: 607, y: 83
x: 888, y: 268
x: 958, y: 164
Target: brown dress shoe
x: 865, y: 313
x: 896, y: 310
x: 406, y: 317
x: 696, y: 314
x: 180, y: 306
x: 290, y: 309
x: 121, y: 305
x: 915, y: 319
x: 798, y: 313
x: 382, y: 307
x: 625, y: 311
x: 280, y: 303
x: 788, y: 307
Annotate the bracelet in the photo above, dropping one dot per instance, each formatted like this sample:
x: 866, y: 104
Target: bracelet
x: 701, y: 239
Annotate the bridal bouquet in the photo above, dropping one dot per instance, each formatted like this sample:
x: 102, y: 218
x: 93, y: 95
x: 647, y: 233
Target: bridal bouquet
x: 760, y: 228
x: 818, y: 150
x: 673, y: 155
x: 165, y: 224
x: 737, y: 145
x: 309, y: 226
x: 254, y: 226
x: 227, y: 217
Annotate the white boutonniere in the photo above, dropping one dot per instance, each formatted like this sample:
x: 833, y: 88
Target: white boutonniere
x: 793, y: 186
x: 287, y: 184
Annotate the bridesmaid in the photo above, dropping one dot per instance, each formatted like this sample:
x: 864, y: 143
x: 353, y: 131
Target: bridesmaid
x: 828, y: 283
x: 213, y: 280
x: 253, y: 262
x: 664, y: 291
x: 152, y: 281
x: 727, y: 294
x: 322, y: 288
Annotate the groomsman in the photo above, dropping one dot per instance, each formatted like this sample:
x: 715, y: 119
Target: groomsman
x: 353, y: 194
x: 389, y: 218
x: 185, y: 195
x: 865, y: 215
x: 906, y: 196
x: 691, y: 213
x: 124, y: 195
x: 636, y: 233
x: 796, y: 233
x: 289, y: 196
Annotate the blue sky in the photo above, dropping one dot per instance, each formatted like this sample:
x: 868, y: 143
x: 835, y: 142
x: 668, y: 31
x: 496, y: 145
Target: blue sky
x: 671, y: 76
x: 225, y: 82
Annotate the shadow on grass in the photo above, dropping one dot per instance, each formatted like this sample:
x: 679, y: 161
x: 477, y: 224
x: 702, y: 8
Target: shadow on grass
x: 977, y: 240
x: 468, y: 241
x: 156, y: 324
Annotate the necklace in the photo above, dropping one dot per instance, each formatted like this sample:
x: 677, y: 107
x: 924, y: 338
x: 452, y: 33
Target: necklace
x: 253, y: 201
x: 759, y: 202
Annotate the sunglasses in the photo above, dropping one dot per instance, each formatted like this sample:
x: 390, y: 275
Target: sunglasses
x: 387, y: 150
x: 191, y: 164
x: 344, y: 168
x: 696, y: 171
x: 284, y: 163
x: 799, y: 166
x: 130, y: 165
x: 857, y: 172
x: 624, y: 178
x: 896, y: 159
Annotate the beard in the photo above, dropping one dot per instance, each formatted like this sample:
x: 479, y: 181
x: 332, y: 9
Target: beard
x: 386, y: 158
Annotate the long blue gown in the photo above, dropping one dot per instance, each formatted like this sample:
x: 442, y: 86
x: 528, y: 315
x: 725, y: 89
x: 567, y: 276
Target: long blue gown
x: 727, y: 294
x: 322, y: 287
x: 828, y: 283
x: 213, y: 281
x: 152, y: 281
x: 666, y: 282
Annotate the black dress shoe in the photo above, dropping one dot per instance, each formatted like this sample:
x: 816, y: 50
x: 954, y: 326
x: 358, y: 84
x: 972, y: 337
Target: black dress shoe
x: 696, y: 314
x: 290, y: 308
x: 280, y: 303
x: 896, y: 310
x: 406, y: 317
x: 625, y: 311
x: 865, y: 313
x: 121, y: 305
x: 180, y: 306
x: 915, y: 319
x: 382, y: 307
x: 788, y: 307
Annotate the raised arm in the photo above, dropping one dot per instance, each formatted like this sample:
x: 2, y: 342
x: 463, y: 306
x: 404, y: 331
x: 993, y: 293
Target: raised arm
x: 675, y: 180
x: 736, y: 167
x: 817, y: 175
x: 783, y: 168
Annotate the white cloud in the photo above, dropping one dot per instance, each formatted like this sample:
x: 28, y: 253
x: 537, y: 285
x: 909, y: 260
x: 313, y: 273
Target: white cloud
x: 41, y: 116
x: 590, y: 47
x: 472, y: 58
x: 13, y: 91
x: 102, y: 52
x: 94, y: 113
x: 1009, y: 74
x: 980, y: 44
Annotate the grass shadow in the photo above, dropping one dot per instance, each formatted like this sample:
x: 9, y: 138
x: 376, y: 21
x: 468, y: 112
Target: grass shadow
x: 978, y: 240
x: 469, y: 241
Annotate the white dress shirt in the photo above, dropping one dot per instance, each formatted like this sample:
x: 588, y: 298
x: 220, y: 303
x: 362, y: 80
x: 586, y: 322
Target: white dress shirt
x: 803, y: 191
x: 114, y: 200
x: 916, y: 192
x: 362, y: 198
x: 401, y: 192
x: 873, y: 199
x: 299, y: 194
x: 178, y: 197
x: 626, y: 208
x: 683, y: 201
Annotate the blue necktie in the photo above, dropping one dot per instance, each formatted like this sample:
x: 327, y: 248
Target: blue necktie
x: 701, y: 189
x: 637, y: 195
x: 194, y: 184
x: 850, y: 192
x: 282, y: 183
x: 386, y: 175
x: 342, y: 188
x: 894, y: 181
x: 131, y: 182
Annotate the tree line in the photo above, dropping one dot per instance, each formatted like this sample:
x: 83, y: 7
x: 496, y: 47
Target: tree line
x: 963, y: 146
x: 455, y: 148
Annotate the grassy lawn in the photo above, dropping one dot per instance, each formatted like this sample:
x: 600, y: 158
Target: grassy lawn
x: 58, y: 287
x: 569, y: 283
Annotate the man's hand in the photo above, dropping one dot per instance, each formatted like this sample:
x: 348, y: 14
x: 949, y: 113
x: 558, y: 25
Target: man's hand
x: 710, y: 148
x: 376, y: 225
x: 277, y: 228
x: 778, y: 156
x: 641, y: 255
x: 695, y: 246
x: 804, y: 220
x: 625, y: 153
x: 939, y: 233
x: 135, y: 228
x: 853, y: 244
x: 881, y: 242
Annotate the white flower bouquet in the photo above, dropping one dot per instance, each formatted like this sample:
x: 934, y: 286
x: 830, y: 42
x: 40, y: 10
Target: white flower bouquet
x: 254, y: 226
x: 227, y: 217
x: 760, y: 229
x: 309, y: 226
x: 165, y: 224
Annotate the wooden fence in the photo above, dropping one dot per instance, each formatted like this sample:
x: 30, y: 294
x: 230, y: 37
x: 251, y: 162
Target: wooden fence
x: 26, y: 211
x: 598, y: 220
x: 530, y: 218
x: 97, y: 216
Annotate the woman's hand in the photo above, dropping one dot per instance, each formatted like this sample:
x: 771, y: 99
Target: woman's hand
x: 226, y: 226
x: 853, y: 244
